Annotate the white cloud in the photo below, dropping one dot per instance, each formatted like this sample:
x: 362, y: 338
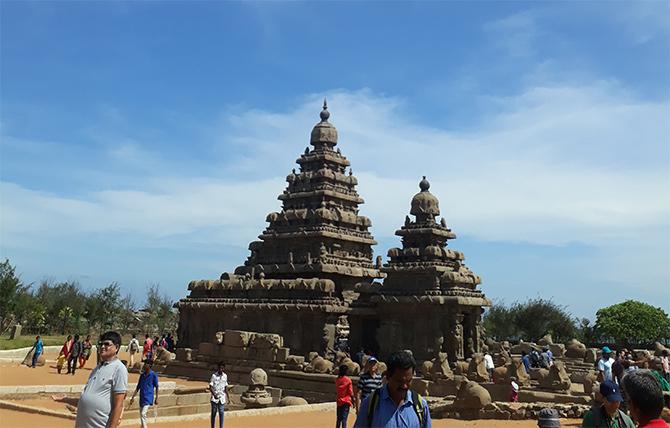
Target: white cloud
x: 515, y: 34
x: 559, y: 164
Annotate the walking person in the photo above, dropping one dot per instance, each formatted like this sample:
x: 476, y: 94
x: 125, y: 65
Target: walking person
x: 218, y: 384
x: 133, y: 348
x: 146, y: 349
x: 488, y: 362
x: 75, y: 351
x: 101, y: 402
x: 395, y: 405
x: 37, y: 349
x: 147, y: 385
x: 65, y: 350
x: 368, y: 382
x: 645, y: 399
x: 345, y: 396
x: 86, y: 346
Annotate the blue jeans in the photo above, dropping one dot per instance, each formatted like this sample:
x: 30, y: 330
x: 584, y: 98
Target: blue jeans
x: 342, y: 414
x: 36, y: 355
x: 216, y: 407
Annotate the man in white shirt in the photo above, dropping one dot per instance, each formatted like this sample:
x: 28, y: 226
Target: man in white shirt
x: 605, y: 365
x: 218, y: 384
x: 488, y: 361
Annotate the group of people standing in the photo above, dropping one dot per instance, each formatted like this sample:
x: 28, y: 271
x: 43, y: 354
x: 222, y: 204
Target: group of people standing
x: 74, y: 352
x: 382, y: 400
x: 149, y: 347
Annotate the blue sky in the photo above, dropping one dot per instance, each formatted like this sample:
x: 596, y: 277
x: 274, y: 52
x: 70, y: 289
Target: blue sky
x: 145, y: 142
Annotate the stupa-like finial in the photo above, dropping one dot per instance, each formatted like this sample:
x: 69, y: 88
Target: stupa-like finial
x: 325, y: 114
x: 424, y: 185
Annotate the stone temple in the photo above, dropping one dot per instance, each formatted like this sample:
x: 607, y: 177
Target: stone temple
x: 311, y: 276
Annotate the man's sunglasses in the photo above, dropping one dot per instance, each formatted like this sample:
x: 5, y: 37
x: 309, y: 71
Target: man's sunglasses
x: 106, y: 344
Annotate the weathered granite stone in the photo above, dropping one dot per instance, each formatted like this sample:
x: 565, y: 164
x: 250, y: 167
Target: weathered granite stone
x: 557, y: 378
x: 282, y: 354
x: 589, y: 381
x: 265, y: 340
x: 319, y: 365
x: 590, y: 356
x: 257, y: 396
x: 575, y: 349
x: 524, y: 346
x: 184, y: 354
x: 295, y: 359
x: 237, y: 338
x: 514, y: 369
x: 659, y: 348
x: 557, y: 349
x: 440, y: 368
x: 471, y: 395
x: 477, y: 369
x: 291, y: 401
x: 546, y: 340
x: 207, y: 348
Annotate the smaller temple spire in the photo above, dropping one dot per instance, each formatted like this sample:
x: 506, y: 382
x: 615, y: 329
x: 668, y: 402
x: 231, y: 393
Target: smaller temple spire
x: 325, y: 114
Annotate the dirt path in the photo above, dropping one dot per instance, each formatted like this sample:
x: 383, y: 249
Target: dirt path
x: 12, y: 419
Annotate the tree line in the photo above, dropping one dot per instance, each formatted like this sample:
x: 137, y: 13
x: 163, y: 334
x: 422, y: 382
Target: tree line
x: 64, y: 307
x: 629, y: 323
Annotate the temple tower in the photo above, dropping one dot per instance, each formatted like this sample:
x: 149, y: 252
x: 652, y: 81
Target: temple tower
x: 299, y: 277
x: 318, y: 231
x: 429, y: 301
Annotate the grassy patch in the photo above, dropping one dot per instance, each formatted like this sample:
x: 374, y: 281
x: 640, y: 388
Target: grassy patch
x: 25, y: 341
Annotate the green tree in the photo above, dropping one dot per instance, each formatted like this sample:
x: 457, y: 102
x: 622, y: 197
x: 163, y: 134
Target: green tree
x: 537, y: 317
x: 499, y: 322
x: 55, y: 297
x: 161, y: 316
x: 586, y: 331
x: 632, y: 322
x: 104, y: 307
x: 64, y: 316
x: 529, y: 321
x: 11, y: 290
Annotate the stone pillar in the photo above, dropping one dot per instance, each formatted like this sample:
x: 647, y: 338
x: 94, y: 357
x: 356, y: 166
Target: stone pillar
x: 15, y: 331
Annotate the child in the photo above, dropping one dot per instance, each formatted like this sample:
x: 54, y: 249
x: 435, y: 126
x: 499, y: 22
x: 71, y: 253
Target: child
x: 60, y: 361
x: 514, y: 391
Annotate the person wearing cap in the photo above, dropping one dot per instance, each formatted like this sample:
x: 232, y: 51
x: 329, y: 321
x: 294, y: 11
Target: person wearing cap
x: 644, y: 396
x: 368, y: 382
x: 608, y: 415
x: 605, y: 365
x: 548, y: 418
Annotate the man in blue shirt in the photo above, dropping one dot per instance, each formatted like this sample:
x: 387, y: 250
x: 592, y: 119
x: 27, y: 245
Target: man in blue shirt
x: 38, y: 347
x: 395, y: 405
x: 147, y: 384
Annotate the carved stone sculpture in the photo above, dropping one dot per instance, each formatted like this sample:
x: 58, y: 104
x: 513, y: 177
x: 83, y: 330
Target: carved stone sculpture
x: 256, y: 396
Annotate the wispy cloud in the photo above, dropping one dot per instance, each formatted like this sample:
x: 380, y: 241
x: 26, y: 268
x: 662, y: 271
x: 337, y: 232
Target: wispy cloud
x: 515, y: 34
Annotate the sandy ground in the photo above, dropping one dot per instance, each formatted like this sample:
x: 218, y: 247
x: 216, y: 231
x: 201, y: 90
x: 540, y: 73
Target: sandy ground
x: 17, y: 374
x: 12, y: 419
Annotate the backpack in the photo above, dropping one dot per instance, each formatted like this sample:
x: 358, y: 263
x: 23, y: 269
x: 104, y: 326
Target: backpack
x: 416, y: 399
x: 134, y: 347
x: 598, y: 418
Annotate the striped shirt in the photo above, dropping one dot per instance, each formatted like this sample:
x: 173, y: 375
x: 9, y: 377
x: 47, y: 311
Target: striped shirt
x: 368, y: 383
